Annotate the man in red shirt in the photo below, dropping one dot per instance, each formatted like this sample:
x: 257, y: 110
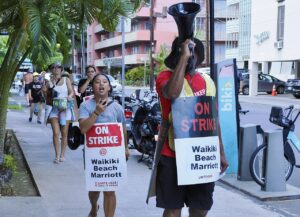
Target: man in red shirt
x: 169, y: 86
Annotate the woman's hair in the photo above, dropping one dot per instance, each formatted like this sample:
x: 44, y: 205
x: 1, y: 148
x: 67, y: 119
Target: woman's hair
x: 89, y: 66
x: 105, y: 75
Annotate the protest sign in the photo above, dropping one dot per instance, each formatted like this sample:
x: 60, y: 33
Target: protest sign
x: 105, y: 163
x: 195, y: 122
x: 86, y: 98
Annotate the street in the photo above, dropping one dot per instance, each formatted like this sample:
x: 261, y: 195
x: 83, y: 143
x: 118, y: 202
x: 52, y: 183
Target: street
x: 259, y: 114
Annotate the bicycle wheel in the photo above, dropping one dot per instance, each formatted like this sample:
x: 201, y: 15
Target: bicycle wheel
x: 256, y: 165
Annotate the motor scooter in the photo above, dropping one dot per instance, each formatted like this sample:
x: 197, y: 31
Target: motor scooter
x: 145, y: 126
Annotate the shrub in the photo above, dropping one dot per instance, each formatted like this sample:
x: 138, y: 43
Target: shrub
x: 9, y: 162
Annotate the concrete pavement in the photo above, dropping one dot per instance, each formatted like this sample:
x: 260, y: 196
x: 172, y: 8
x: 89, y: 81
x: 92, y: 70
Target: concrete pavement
x: 62, y: 186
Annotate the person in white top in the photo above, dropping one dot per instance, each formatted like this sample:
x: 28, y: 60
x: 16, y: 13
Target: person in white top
x: 61, y: 113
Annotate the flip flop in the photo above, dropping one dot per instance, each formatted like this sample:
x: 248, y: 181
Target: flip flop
x: 56, y: 161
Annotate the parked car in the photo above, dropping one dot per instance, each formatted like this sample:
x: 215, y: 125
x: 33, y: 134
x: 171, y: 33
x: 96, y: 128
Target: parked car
x: 117, y: 87
x: 293, y: 87
x: 242, y: 73
x: 265, y: 84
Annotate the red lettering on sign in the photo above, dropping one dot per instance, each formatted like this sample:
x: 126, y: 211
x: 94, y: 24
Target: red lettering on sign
x: 202, y: 108
x: 200, y: 124
x: 104, y: 135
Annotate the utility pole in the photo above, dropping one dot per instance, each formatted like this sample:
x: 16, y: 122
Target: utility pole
x: 212, y: 40
x: 83, y: 63
x: 73, y: 47
x: 207, y: 34
x: 123, y: 60
x: 151, y: 45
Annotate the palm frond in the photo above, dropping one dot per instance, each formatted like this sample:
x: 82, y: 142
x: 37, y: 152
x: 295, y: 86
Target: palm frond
x: 32, y: 13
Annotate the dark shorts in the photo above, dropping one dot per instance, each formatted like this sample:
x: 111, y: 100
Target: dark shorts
x: 171, y: 196
x: 27, y: 86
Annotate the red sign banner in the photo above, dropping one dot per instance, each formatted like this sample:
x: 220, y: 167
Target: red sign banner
x: 104, y: 136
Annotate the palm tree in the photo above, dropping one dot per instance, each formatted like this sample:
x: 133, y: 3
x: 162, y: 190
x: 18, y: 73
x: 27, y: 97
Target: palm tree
x: 36, y: 26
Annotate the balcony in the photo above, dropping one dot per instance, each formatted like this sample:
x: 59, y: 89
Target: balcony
x: 144, y: 12
x: 142, y: 35
x: 132, y: 59
x: 232, y: 26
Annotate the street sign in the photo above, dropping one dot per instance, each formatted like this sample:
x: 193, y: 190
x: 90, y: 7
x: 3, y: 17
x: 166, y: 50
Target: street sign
x: 115, y: 62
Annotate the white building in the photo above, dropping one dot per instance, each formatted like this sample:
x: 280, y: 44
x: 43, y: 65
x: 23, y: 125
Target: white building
x: 275, y: 40
x: 238, y: 31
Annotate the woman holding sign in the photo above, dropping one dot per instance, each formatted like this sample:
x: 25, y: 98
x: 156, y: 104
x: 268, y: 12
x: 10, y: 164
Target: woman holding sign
x: 101, y: 109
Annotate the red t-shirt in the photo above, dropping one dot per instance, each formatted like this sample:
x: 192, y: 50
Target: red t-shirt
x: 197, y: 83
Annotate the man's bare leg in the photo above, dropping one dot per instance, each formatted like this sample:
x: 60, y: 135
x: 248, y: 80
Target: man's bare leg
x: 197, y: 213
x: 109, y: 203
x: 172, y: 213
x: 94, y: 196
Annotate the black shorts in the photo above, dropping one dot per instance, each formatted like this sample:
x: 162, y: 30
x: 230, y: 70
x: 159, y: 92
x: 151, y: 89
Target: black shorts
x: 27, y: 86
x: 171, y: 196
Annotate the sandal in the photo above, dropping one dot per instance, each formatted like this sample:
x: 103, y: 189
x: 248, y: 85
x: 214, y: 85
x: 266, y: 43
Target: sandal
x: 56, y: 161
x: 61, y: 159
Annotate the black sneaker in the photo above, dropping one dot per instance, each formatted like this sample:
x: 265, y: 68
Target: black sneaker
x: 30, y: 119
x: 39, y: 122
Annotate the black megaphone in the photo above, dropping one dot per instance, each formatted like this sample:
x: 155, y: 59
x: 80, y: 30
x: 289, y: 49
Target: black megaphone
x: 184, y: 15
x: 75, y: 137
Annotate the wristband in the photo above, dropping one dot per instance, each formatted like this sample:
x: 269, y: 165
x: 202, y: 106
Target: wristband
x: 97, y: 114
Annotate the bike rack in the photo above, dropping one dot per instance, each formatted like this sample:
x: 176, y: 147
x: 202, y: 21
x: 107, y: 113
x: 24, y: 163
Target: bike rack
x: 246, y: 148
x: 274, y: 164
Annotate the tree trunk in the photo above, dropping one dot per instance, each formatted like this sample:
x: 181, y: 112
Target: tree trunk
x: 4, y: 94
x: 8, y: 71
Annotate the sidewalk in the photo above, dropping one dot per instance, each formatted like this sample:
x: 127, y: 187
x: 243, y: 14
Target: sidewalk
x: 62, y: 187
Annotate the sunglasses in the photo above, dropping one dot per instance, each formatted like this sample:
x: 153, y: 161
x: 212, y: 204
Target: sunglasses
x: 56, y: 67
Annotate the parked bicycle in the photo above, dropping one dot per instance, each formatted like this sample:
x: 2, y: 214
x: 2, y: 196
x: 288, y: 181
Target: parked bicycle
x: 286, y: 119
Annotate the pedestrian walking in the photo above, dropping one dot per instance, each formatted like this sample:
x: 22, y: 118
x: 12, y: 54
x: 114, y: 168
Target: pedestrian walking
x: 36, y: 98
x: 101, y: 109
x: 27, y: 80
x: 180, y: 80
x: 85, y: 84
x: 62, y: 109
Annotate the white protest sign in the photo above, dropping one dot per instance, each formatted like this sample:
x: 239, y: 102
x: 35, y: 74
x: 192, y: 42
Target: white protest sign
x: 197, y: 160
x: 195, y: 123
x: 86, y: 98
x: 105, y: 162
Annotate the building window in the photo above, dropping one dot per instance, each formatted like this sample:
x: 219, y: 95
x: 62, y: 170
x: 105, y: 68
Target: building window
x: 111, y: 34
x: 147, y: 25
x: 90, y: 40
x: 200, y: 23
x: 134, y: 50
x: 147, y: 48
x: 147, y: 3
x: 134, y: 27
x: 280, y: 23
